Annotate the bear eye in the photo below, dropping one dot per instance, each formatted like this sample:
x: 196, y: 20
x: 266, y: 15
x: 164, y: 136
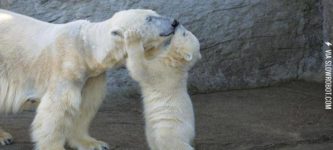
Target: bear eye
x: 149, y: 18
x: 114, y: 33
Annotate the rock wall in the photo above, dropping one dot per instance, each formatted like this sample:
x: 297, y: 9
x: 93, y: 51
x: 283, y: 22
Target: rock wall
x: 245, y: 43
x: 328, y: 20
x: 311, y: 65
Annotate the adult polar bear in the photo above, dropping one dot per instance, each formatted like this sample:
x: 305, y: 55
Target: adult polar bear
x: 63, y: 66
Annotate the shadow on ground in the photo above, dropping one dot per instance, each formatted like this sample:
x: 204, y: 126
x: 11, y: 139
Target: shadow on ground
x: 286, y: 117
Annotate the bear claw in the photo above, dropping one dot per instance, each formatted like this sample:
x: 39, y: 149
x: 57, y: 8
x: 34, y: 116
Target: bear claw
x: 7, y: 142
x: 6, y: 138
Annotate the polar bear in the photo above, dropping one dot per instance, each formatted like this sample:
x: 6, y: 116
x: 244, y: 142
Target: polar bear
x: 168, y: 109
x: 62, y: 67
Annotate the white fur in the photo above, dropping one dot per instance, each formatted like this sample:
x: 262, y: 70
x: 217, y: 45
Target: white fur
x: 62, y: 66
x: 167, y: 106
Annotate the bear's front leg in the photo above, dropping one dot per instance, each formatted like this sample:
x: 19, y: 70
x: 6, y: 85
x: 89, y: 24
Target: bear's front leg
x: 136, y: 63
x: 93, y: 93
x: 55, y: 114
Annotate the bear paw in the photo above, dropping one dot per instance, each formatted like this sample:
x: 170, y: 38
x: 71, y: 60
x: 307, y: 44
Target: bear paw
x: 88, y: 143
x: 132, y: 37
x: 5, y: 138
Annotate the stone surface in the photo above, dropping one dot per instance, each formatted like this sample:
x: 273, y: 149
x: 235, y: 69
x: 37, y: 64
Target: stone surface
x: 328, y: 20
x: 327, y: 25
x: 245, y: 43
x: 284, y: 117
x: 311, y: 66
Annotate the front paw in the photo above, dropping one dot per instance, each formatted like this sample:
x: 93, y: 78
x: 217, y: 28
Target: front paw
x: 88, y: 143
x: 132, y: 37
x: 5, y: 138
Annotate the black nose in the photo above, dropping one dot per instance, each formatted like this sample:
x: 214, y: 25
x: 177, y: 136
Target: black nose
x: 175, y: 23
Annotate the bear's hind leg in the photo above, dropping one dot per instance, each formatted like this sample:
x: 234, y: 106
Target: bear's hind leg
x: 5, y: 137
x: 166, y: 139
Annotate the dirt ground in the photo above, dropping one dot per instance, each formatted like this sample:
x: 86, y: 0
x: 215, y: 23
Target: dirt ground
x: 285, y: 117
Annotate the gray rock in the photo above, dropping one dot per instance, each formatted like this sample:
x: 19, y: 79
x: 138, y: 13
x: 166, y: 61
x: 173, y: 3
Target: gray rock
x: 245, y: 43
x: 328, y: 20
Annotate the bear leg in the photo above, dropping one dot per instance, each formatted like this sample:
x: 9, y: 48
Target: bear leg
x: 93, y: 94
x: 55, y: 114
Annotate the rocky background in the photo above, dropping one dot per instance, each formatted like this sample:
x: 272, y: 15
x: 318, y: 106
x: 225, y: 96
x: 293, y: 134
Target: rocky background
x: 245, y: 43
x: 328, y: 21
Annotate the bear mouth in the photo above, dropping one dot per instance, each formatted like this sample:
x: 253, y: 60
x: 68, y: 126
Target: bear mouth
x: 170, y: 31
x: 167, y: 33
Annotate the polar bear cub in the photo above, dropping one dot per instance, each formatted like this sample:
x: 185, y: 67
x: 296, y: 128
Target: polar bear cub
x: 167, y: 106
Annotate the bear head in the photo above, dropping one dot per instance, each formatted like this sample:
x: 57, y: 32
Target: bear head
x: 182, y: 50
x: 155, y: 29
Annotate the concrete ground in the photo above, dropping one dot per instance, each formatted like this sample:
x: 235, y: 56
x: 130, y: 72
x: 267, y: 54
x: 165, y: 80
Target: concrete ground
x: 285, y: 117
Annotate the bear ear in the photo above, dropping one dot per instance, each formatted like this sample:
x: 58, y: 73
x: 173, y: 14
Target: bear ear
x: 117, y: 33
x: 188, y: 56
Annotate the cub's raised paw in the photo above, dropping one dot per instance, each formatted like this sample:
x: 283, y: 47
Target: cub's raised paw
x: 5, y: 138
x: 132, y: 36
